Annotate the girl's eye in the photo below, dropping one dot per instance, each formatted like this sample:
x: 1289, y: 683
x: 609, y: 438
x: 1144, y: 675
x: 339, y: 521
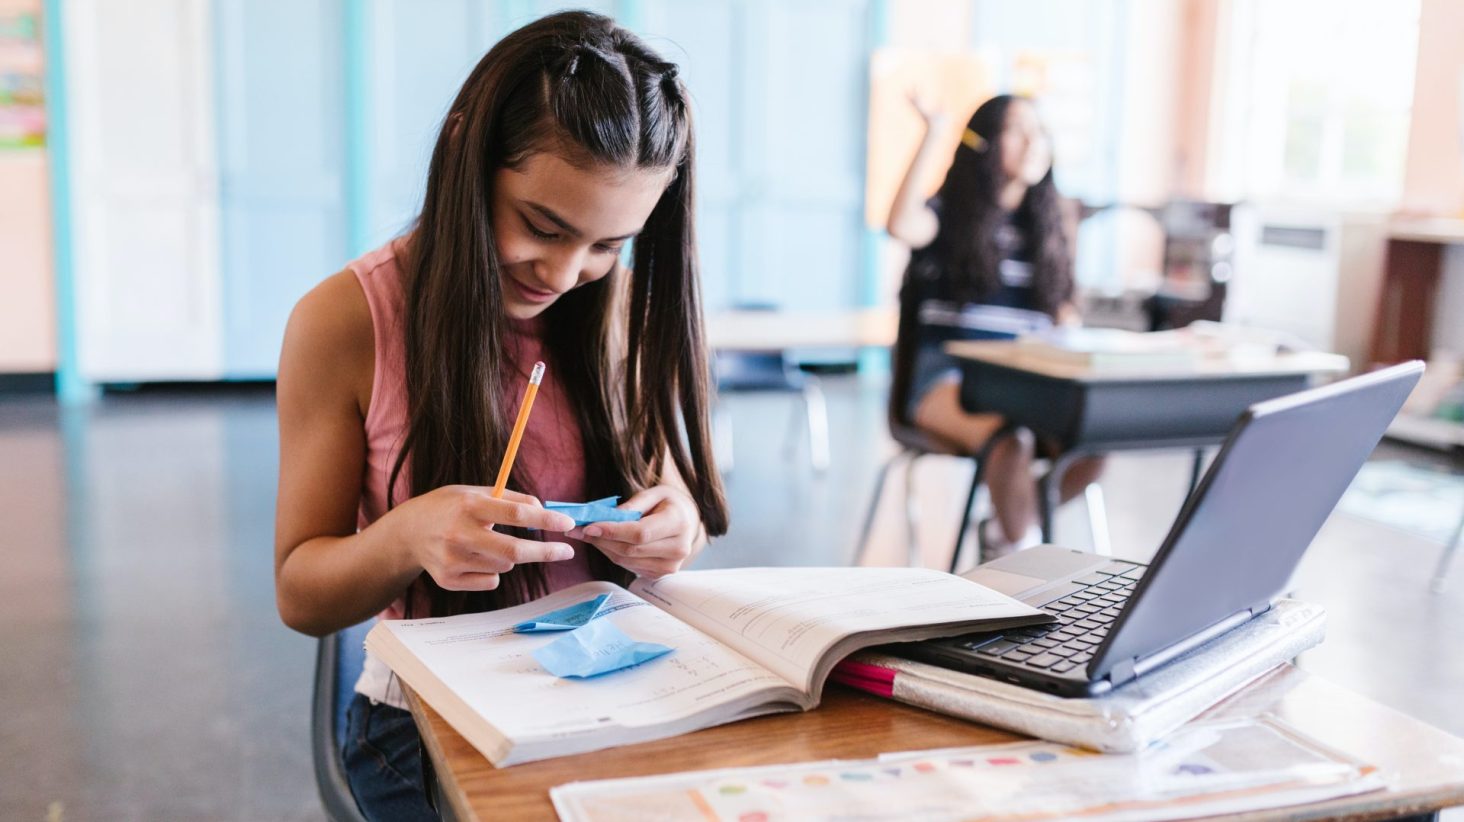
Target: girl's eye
x: 607, y: 249
x: 543, y: 235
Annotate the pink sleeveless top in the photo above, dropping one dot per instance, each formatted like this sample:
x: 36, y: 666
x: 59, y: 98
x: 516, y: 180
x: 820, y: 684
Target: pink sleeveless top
x: 551, y: 452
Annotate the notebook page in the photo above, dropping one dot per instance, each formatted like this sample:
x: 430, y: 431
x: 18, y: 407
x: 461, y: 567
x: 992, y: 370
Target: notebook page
x: 787, y: 618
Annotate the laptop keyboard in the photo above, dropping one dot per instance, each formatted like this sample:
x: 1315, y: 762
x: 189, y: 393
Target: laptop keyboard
x: 1083, y: 618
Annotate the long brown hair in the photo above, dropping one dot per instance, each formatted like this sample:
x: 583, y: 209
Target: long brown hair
x: 628, y: 349
x: 970, y: 217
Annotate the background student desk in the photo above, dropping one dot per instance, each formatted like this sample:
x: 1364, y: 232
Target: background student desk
x: 773, y: 330
x: 1083, y: 410
x: 1424, y: 767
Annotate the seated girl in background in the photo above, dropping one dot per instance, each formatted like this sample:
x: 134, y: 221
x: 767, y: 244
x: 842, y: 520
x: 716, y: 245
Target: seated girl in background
x: 401, y: 375
x: 990, y: 260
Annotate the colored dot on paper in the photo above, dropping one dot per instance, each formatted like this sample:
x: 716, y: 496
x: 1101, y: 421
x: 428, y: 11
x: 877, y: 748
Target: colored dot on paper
x: 753, y: 816
x: 964, y: 763
x: 924, y: 767
x: 855, y: 776
x: 815, y: 779
x: 732, y: 790
x: 1043, y: 756
x: 1002, y: 760
x: 775, y: 784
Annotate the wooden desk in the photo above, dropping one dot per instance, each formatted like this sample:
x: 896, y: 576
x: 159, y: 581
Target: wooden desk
x: 782, y: 330
x: 1092, y: 411
x: 1424, y: 766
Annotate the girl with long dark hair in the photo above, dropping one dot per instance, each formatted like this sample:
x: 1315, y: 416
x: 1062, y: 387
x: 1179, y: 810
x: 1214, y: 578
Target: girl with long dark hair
x: 400, y: 376
x: 990, y: 260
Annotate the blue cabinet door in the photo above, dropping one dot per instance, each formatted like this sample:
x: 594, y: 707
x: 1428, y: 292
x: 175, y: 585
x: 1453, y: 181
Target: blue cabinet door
x: 780, y: 95
x: 281, y: 167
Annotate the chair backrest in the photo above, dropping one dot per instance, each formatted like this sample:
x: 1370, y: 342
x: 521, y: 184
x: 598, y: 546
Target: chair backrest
x: 902, y: 367
x: 338, y: 661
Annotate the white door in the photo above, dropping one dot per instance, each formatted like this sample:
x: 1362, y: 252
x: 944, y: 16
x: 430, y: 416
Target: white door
x: 145, y: 214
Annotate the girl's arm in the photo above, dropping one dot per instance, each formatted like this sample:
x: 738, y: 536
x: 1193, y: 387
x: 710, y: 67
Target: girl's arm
x: 911, y: 220
x: 327, y: 575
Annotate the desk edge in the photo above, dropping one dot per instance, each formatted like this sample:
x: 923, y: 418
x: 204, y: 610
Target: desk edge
x: 451, y: 790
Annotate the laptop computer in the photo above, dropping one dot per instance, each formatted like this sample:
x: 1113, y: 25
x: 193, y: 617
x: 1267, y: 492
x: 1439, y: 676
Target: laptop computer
x: 1229, y: 554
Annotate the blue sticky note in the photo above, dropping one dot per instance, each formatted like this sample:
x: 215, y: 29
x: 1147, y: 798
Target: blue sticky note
x: 565, y: 619
x: 597, y: 648
x: 600, y: 510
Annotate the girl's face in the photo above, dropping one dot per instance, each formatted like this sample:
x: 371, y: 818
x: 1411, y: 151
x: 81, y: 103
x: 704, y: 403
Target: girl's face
x: 1026, y: 154
x: 559, y: 226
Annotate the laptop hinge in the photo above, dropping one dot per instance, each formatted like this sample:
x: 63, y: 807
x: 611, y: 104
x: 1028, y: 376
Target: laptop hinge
x: 1261, y: 607
x: 1122, y: 671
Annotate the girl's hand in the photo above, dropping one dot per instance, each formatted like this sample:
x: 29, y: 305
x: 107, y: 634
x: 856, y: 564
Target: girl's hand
x: 935, y: 117
x: 449, y: 534
x: 669, y: 533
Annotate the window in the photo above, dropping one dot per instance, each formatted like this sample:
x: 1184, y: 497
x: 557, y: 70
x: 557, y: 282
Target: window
x: 1316, y: 100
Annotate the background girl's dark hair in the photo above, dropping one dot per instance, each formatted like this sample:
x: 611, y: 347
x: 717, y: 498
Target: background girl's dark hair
x: 628, y: 349
x: 963, y: 262
x: 970, y: 216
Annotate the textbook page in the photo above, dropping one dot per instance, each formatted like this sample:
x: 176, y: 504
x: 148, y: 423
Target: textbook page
x: 487, y: 670
x: 790, y: 619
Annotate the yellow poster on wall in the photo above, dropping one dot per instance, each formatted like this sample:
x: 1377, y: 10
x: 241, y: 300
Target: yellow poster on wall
x: 953, y: 83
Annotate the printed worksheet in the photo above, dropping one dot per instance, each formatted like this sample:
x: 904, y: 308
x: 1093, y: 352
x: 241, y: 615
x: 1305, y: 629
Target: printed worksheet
x: 1201, y: 770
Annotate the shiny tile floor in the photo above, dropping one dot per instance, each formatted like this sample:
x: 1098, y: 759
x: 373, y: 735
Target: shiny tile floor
x: 148, y: 677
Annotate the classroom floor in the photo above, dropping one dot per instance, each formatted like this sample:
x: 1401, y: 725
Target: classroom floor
x: 149, y: 677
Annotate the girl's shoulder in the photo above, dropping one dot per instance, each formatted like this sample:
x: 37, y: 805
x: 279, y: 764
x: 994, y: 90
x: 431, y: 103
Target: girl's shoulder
x: 329, y: 340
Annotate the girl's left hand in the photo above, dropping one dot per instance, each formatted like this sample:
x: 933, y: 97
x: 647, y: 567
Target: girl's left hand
x: 668, y: 533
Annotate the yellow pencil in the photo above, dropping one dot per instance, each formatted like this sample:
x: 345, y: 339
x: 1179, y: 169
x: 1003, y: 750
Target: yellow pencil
x: 532, y: 389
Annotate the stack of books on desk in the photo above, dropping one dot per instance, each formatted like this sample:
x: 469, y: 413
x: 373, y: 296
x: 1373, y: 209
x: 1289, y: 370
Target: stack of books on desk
x: 1122, y: 721
x: 1117, y: 349
x: 1111, y: 348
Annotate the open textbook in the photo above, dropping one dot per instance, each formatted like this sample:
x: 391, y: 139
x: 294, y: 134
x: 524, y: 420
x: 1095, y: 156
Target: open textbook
x: 747, y: 642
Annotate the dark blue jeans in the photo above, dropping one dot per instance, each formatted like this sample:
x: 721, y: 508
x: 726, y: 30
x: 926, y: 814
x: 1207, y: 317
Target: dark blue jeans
x: 383, y: 756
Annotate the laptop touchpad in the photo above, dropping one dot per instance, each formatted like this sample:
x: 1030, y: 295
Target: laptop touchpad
x: 1013, y: 585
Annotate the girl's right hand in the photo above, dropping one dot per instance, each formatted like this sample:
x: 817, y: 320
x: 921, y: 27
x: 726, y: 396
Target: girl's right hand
x: 449, y: 534
x: 935, y: 117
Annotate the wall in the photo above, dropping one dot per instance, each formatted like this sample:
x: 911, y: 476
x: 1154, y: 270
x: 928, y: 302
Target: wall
x: 27, y: 309
x: 27, y: 301
x: 1433, y: 181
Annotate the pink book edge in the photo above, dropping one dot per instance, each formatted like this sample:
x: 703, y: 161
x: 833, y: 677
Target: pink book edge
x: 872, y: 678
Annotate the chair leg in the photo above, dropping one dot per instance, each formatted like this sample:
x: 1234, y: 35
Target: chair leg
x: 912, y: 518
x: 977, y: 477
x: 818, y: 424
x: 1098, y: 519
x: 879, y: 484
x: 1441, y: 574
x: 1197, y: 467
x: 1048, y: 486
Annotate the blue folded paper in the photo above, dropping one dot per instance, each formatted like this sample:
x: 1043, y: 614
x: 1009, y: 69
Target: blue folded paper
x: 600, y: 510
x: 595, y: 649
x: 564, y: 619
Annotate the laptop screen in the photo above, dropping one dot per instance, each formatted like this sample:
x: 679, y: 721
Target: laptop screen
x: 1240, y: 536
